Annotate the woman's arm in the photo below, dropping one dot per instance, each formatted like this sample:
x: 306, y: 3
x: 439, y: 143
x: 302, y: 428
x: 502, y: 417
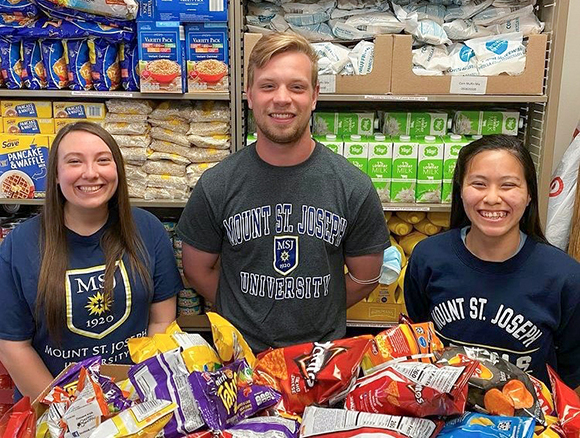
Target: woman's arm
x: 161, y: 314
x: 25, y: 367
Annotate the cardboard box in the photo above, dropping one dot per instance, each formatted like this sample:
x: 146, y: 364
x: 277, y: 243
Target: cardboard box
x: 161, y: 48
x: 186, y: 11
x: 207, y: 48
x: 376, y: 82
x: 79, y: 110
x: 23, y: 166
x: 385, y: 311
x: 531, y: 81
x: 60, y: 123
x: 26, y: 125
x: 26, y: 108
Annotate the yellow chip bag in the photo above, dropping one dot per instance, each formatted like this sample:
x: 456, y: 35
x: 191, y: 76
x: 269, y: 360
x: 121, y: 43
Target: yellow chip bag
x: 228, y: 341
x: 142, y: 349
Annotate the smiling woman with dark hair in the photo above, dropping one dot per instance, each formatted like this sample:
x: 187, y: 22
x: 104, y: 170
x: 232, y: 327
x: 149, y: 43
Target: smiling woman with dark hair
x: 86, y: 274
x: 493, y: 281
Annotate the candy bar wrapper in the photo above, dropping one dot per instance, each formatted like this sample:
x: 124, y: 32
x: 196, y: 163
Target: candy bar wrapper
x: 228, y: 395
x: 165, y: 376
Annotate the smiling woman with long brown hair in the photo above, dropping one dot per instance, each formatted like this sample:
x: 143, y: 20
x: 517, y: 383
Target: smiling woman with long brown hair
x: 86, y: 274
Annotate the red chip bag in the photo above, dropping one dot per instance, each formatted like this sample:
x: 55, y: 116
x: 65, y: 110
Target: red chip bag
x: 412, y: 389
x: 567, y: 405
x: 311, y: 373
x: 20, y: 421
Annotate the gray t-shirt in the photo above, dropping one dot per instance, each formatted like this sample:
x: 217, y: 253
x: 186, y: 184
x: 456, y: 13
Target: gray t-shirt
x: 283, y: 233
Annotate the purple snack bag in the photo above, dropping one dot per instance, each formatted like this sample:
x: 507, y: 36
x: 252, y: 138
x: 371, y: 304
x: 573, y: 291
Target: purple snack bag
x: 263, y: 426
x: 114, y: 397
x: 165, y: 376
x: 69, y: 379
x: 227, y: 396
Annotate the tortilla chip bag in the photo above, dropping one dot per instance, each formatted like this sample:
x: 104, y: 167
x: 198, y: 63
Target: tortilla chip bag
x: 312, y: 373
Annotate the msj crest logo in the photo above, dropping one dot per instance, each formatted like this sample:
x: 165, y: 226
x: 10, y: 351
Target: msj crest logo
x: 92, y: 312
x: 285, y: 254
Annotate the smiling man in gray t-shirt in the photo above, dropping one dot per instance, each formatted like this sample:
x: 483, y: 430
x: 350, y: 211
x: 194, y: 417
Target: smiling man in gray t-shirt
x: 267, y: 232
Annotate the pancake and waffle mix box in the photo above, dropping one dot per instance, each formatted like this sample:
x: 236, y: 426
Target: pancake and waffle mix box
x: 380, y: 167
x: 26, y: 125
x: 429, y: 169
x: 404, y: 176
x: 78, y: 110
x: 207, y: 57
x: 23, y: 166
x: 26, y: 108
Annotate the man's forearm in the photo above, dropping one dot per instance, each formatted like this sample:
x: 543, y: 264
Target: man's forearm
x: 356, y: 292
x: 205, y: 283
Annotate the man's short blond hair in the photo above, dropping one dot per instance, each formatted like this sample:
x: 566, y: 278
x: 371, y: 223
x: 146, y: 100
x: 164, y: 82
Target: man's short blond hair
x: 273, y: 44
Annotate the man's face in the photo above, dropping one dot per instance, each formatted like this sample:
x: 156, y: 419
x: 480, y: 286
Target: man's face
x: 282, y: 97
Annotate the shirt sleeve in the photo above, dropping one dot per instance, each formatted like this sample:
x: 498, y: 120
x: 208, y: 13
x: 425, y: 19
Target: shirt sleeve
x: 198, y: 225
x: 16, y: 318
x: 416, y: 301
x: 166, y: 278
x: 567, y: 337
x: 368, y: 234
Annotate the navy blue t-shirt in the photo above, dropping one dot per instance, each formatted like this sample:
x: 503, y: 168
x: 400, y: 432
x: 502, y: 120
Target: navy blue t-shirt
x: 95, y: 325
x: 527, y: 308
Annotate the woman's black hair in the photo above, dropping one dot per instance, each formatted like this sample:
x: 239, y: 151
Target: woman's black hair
x: 530, y: 221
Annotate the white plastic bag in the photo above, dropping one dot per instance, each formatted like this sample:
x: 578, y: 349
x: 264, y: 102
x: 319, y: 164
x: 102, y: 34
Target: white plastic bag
x: 499, y: 54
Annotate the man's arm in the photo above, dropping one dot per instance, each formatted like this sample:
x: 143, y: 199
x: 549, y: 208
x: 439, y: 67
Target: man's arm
x: 202, y: 271
x: 364, y: 267
x: 25, y: 367
x: 161, y: 314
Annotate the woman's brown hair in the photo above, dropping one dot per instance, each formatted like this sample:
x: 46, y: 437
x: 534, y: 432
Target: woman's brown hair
x: 120, y: 238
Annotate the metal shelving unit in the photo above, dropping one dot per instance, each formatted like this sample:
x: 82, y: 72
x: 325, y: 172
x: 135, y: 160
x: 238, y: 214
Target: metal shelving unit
x: 100, y: 95
x: 435, y: 98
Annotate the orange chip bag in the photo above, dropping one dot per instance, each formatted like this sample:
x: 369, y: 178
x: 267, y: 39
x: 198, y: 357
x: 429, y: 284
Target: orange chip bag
x: 405, y: 340
x: 311, y: 373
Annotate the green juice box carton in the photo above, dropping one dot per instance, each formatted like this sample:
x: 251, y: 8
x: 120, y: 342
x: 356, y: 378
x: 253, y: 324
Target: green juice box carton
x: 343, y: 123
x: 487, y: 122
x: 404, y: 171
x: 380, y: 167
x: 416, y: 124
x: 332, y: 142
x: 356, y: 150
x: 453, y: 144
x: 430, y: 169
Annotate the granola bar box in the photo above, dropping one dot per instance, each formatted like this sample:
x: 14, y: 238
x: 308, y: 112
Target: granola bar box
x: 23, y: 166
x: 161, y: 56
x: 207, y: 57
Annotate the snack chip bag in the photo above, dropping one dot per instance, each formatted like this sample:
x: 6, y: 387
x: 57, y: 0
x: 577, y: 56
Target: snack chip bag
x: 552, y: 430
x: 19, y: 421
x: 318, y: 372
x: 228, y: 341
x: 412, y: 388
x: 497, y: 387
x: 567, y: 405
x: 415, y: 341
x: 471, y: 424
x: 326, y: 423
x: 258, y: 427
x: 227, y: 396
x: 544, y: 396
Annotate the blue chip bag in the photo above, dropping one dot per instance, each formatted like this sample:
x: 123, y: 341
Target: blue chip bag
x: 33, y: 74
x: 11, y: 24
x: 54, y: 64
x: 124, y: 10
x: 78, y: 64
x: 471, y: 424
x: 11, y: 63
x: 50, y: 28
x: 18, y: 7
x: 110, y: 33
x: 55, y: 11
x: 106, y: 71
x: 129, y: 60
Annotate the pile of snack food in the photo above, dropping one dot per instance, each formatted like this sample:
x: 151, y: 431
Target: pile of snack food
x: 167, y: 147
x: 401, y: 383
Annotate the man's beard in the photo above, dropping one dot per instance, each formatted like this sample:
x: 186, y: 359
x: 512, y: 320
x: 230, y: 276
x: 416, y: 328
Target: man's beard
x: 284, y: 137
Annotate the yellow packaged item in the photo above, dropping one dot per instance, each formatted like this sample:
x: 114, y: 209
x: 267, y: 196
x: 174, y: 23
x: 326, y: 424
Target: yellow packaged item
x: 410, y: 240
x: 403, y: 255
x: 61, y: 123
x: 78, y: 110
x: 228, y: 341
x: 401, y: 280
x: 399, y: 227
x: 142, y: 349
x: 440, y: 219
x: 1, y: 125
x: 413, y: 217
x: 143, y: 420
x: 548, y: 431
x: 26, y: 108
x: 388, y: 215
x: 24, y: 125
x: 426, y: 227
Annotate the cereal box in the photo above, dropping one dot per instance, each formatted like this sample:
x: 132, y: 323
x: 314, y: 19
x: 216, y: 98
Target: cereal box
x: 23, y: 166
x: 207, y: 57
x: 26, y: 108
x: 26, y: 125
x: 79, y: 110
x: 161, y: 56
x: 186, y: 11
